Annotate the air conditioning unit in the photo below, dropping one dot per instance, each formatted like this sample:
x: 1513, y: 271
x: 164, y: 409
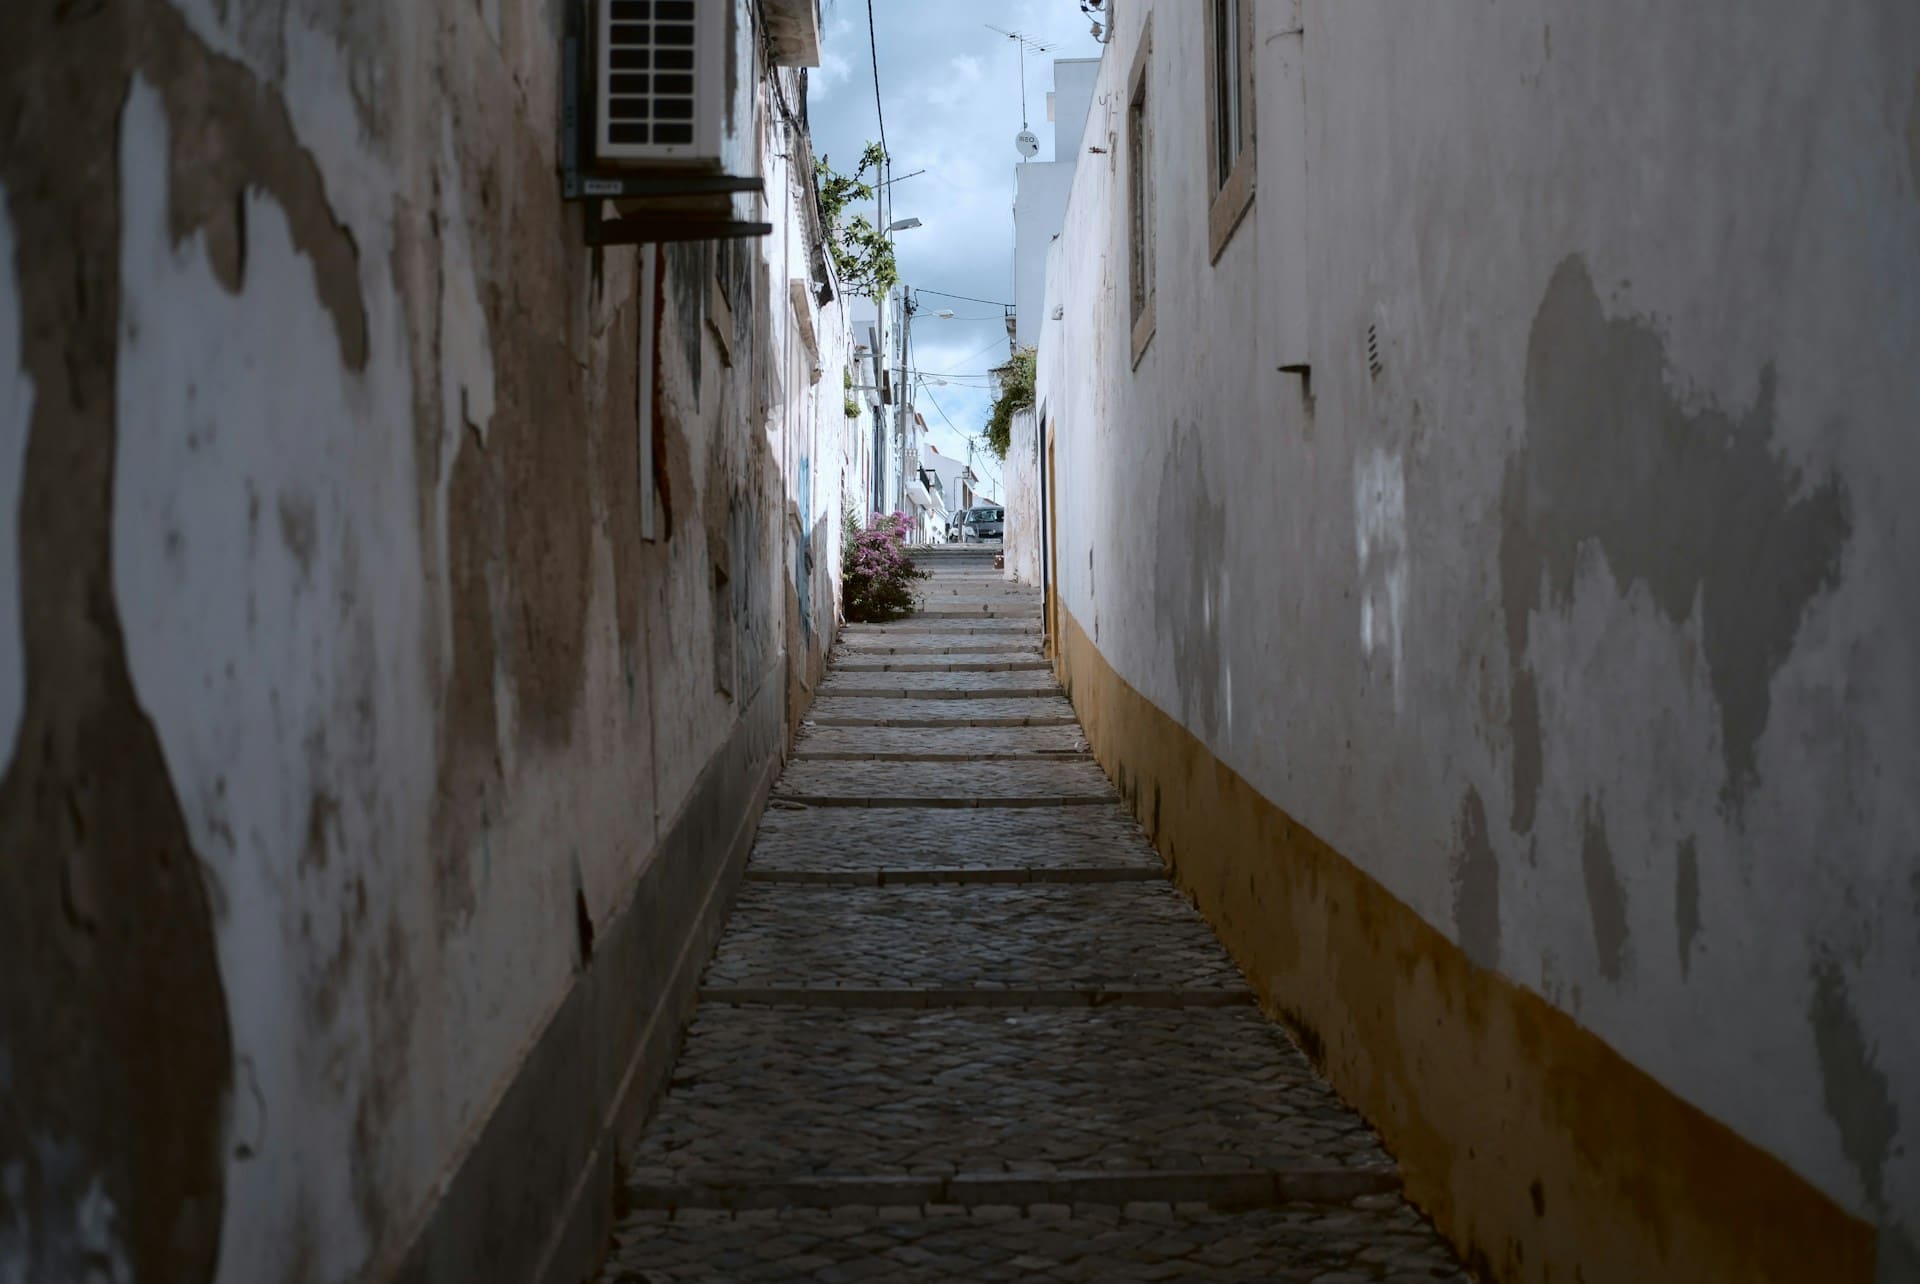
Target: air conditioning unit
x: 660, y: 99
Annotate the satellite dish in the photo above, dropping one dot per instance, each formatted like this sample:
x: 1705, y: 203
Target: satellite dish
x: 1027, y: 143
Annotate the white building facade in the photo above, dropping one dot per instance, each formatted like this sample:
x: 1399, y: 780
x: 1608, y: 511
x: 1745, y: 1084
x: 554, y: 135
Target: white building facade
x: 1477, y: 453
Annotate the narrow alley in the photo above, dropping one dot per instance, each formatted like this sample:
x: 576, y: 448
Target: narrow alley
x: 961, y: 1027
x: 1401, y: 767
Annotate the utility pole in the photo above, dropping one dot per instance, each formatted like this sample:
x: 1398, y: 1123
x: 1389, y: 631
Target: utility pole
x: 902, y: 400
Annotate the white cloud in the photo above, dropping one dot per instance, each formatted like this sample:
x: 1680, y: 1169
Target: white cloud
x: 951, y: 91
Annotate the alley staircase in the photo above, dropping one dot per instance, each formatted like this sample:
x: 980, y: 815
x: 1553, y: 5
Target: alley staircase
x: 960, y: 1027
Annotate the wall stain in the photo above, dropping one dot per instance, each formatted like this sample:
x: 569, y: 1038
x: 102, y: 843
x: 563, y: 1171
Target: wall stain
x: 1476, y: 885
x: 1529, y: 755
x: 298, y: 530
x: 1686, y: 900
x: 1691, y: 503
x: 1186, y: 580
x: 1606, y: 898
x: 1853, y: 1087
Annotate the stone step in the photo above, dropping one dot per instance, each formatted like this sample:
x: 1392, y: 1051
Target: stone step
x: 956, y: 875
x: 1238, y: 1189
x: 952, y: 627
x: 863, y: 646
x: 1012, y: 685
x: 855, y: 839
x: 941, y: 590
x: 931, y: 684
x: 887, y: 1237
x: 781, y: 1093
x: 906, y: 744
x: 920, y: 997
x: 957, y: 662
x: 922, y: 784
x: 860, y: 711
x: 991, y: 937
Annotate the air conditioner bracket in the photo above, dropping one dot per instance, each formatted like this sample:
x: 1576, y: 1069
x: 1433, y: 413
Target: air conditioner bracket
x: 675, y: 219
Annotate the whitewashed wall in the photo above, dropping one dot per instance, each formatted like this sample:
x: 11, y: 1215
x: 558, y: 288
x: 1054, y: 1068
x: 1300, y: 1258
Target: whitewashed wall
x: 435, y: 713
x: 1632, y: 722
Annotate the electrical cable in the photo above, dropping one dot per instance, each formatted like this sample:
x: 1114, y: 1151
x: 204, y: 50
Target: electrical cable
x: 963, y: 361
x: 997, y: 303
x: 879, y: 114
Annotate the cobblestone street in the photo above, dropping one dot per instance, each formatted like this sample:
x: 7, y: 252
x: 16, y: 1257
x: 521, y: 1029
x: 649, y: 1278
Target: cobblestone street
x: 960, y: 1027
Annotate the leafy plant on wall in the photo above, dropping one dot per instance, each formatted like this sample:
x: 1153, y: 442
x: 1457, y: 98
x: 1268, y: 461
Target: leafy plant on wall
x: 1016, y: 394
x: 862, y: 254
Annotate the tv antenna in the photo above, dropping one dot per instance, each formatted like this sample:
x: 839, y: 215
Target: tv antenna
x: 1025, y: 141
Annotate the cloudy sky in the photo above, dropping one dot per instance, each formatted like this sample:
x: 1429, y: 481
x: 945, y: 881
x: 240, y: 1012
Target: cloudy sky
x: 950, y: 91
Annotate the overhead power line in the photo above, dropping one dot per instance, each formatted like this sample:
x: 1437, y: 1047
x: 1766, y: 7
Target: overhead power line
x: 998, y: 303
x: 879, y: 112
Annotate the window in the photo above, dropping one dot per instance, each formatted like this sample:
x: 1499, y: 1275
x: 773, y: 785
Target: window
x: 1229, y: 118
x: 1140, y: 198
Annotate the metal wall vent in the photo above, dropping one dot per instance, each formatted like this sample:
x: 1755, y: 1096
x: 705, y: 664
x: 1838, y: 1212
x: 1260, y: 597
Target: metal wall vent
x: 1374, y: 366
x: 662, y: 82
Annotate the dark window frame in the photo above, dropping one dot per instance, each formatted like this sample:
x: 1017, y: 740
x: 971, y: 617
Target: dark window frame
x: 1140, y: 202
x: 1230, y: 120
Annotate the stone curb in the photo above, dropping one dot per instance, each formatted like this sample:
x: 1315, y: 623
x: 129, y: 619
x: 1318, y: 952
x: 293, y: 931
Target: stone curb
x: 965, y: 666
x: 919, y: 624
x: 851, y: 648
x: 917, y: 800
x: 1229, y: 1191
x: 828, y: 688
x: 915, y: 877
x: 1029, y: 720
x: 984, y: 755
x: 915, y: 998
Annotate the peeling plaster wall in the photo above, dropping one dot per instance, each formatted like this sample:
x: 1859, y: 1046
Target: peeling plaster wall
x: 349, y: 722
x: 1021, y: 472
x: 1571, y: 598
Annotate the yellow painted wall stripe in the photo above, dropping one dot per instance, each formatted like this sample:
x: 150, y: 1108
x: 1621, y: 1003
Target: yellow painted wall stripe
x: 1538, y: 1150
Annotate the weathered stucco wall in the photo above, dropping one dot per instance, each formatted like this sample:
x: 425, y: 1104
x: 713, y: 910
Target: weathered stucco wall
x: 1020, y: 471
x: 1568, y: 602
x: 373, y: 779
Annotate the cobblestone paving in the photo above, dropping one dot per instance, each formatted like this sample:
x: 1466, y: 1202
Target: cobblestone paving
x: 857, y: 711
x: 987, y: 1043
x: 953, y: 744
x: 787, y: 1092
x: 860, y: 645
x: 861, y: 838
x: 910, y: 685
x: 947, y: 662
x: 939, y: 652
x: 945, y: 780
x: 1376, y: 1238
x: 1028, y: 936
x: 948, y: 626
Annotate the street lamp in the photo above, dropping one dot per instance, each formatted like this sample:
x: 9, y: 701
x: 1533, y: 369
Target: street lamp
x: 903, y: 224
